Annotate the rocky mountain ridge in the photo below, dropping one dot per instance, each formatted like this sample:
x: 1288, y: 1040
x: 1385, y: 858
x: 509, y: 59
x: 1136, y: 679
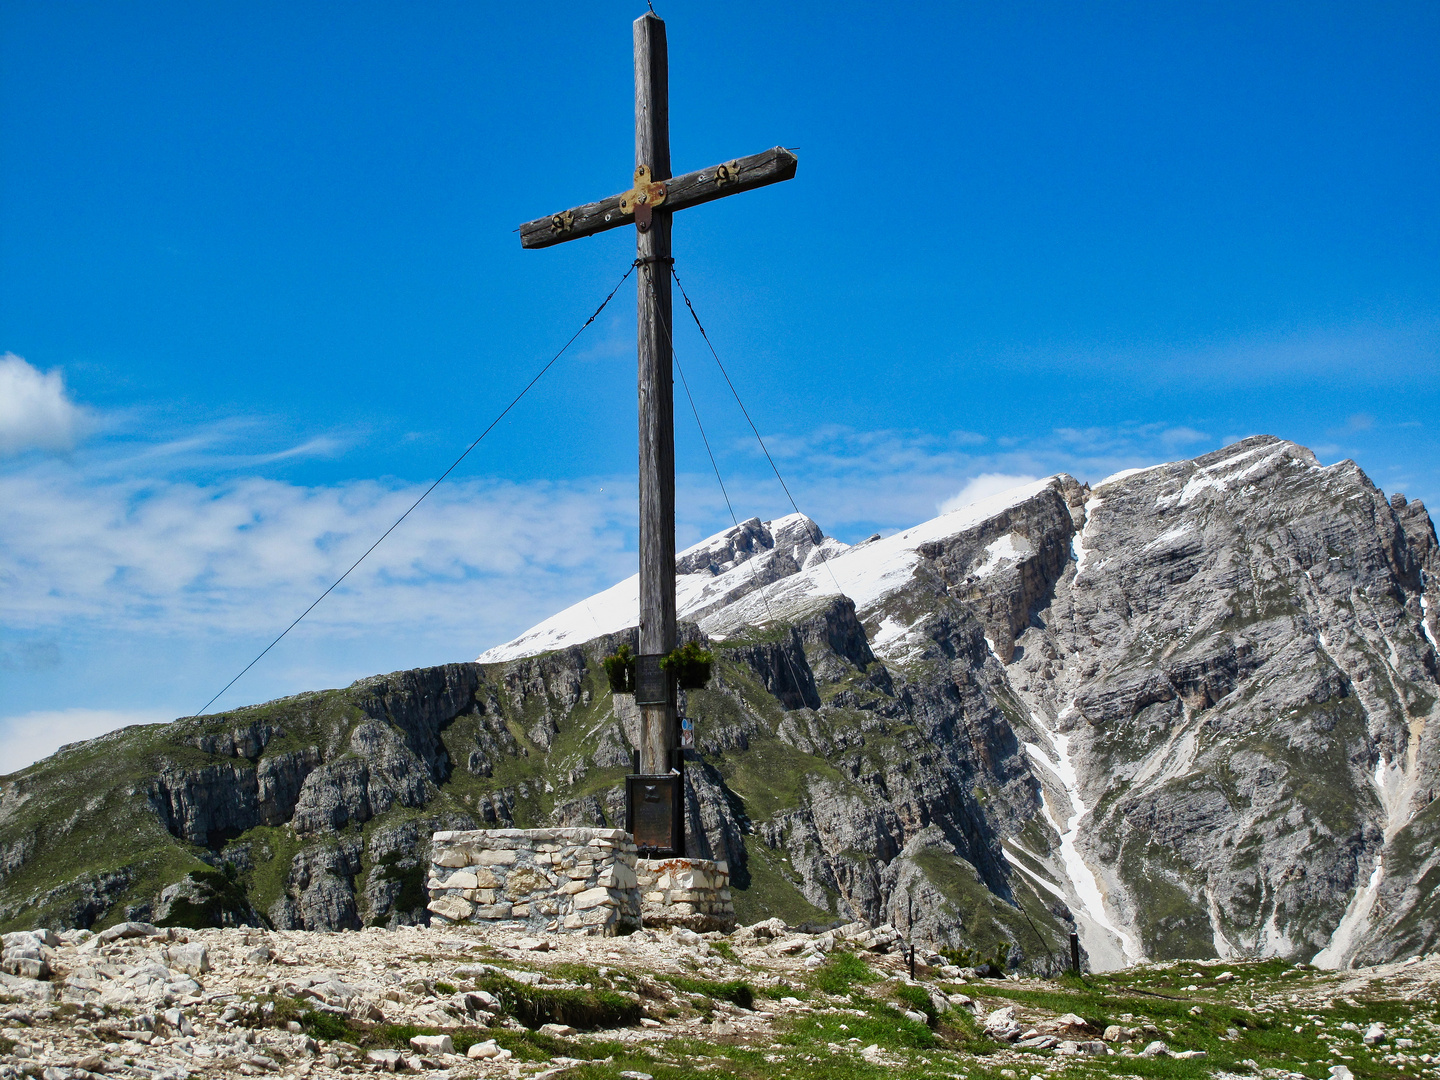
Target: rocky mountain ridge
x: 1188, y: 712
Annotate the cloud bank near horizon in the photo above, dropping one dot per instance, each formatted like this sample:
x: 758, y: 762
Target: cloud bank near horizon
x: 27, y: 738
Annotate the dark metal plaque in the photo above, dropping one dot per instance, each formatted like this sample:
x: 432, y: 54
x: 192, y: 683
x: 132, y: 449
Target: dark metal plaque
x: 652, y: 682
x: 652, y: 809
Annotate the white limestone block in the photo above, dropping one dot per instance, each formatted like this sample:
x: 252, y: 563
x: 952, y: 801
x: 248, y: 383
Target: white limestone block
x: 454, y: 908
x: 595, y: 897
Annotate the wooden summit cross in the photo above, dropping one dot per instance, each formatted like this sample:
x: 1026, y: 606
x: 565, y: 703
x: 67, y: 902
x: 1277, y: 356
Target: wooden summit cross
x: 649, y: 204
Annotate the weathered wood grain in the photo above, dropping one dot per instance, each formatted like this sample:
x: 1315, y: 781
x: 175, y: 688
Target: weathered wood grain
x: 758, y: 170
x: 659, y: 725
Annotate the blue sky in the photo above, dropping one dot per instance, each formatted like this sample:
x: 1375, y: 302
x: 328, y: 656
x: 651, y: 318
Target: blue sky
x: 259, y: 284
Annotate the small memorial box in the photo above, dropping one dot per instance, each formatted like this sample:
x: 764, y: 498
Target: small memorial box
x: 653, y: 810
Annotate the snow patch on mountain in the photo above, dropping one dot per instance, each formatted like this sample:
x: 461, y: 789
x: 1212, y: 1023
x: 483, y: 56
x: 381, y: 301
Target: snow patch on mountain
x: 1354, y: 925
x: 722, y: 567
x: 867, y: 573
x: 792, y: 565
x: 1009, y: 548
x: 1106, y: 943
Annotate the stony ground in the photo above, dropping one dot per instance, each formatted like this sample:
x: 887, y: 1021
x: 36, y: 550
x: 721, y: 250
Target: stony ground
x: 761, y: 1003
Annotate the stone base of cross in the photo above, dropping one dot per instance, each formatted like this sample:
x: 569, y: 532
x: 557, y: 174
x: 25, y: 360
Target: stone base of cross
x: 655, y: 794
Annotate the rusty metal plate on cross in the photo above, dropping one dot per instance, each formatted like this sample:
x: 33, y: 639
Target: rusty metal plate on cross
x: 653, y: 813
x: 642, y: 198
x: 652, y: 682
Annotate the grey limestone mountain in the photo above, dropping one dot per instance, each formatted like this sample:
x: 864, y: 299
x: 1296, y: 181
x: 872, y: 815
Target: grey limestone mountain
x: 1189, y: 712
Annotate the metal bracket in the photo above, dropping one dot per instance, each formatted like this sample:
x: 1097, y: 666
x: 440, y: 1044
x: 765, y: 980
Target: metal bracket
x: 563, y: 223
x: 729, y: 173
x: 642, y: 198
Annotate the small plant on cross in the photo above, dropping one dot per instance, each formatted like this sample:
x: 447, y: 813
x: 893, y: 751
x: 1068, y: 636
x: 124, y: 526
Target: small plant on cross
x: 689, y: 665
x: 620, y: 670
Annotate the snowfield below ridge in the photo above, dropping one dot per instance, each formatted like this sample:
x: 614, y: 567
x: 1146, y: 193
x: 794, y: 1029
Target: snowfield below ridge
x: 779, y: 568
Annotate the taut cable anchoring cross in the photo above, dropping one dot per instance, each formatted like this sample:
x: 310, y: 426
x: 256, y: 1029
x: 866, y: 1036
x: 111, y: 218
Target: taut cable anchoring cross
x: 453, y: 465
x: 650, y: 204
x: 754, y: 571
x: 763, y: 448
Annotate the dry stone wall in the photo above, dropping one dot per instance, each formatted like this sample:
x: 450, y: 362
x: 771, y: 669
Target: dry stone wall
x: 693, y: 893
x: 578, y: 881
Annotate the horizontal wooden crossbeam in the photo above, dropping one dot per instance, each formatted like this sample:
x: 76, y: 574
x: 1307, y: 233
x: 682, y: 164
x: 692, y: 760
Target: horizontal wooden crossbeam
x: 705, y: 185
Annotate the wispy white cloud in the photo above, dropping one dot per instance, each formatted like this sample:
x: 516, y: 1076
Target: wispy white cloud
x: 28, y: 738
x: 31, y: 656
x: 846, y: 478
x: 213, y: 448
x: 142, y: 554
x: 982, y: 487
x: 1182, y: 438
x: 1096, y: 444
x: 36, y: 412
x: 1373, y: 352
x: 854, y: 482
x: 1359, y: 422
x: 129, y: 542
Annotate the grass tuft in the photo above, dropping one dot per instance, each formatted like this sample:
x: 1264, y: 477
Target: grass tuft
x: 737, y: 992
x: 918, y: 998
x: 841, y: 972
x: 535, y: 1006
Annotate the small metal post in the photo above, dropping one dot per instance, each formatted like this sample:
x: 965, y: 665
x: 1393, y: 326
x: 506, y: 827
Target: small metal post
x: 1075, y: 952
x: 910, y: 928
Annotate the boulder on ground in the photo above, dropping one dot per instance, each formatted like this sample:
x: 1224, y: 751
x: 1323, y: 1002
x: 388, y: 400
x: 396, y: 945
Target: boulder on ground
x: 432, y: 1044
x: 130, y: 930
x: 192, y: 959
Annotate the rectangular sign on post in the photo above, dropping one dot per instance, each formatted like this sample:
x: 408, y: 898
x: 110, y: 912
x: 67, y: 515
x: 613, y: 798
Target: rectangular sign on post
x: 652, y: 682
x: 687, y: 733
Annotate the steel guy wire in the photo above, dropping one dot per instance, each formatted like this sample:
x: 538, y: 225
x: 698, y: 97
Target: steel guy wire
x: 453, y: 465
x: 759, y: 585
x: 965, y: 810
x: 764, y: 449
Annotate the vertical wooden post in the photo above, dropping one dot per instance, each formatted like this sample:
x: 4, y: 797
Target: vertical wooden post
x: 1075, y: 952
x: 657, y: 425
